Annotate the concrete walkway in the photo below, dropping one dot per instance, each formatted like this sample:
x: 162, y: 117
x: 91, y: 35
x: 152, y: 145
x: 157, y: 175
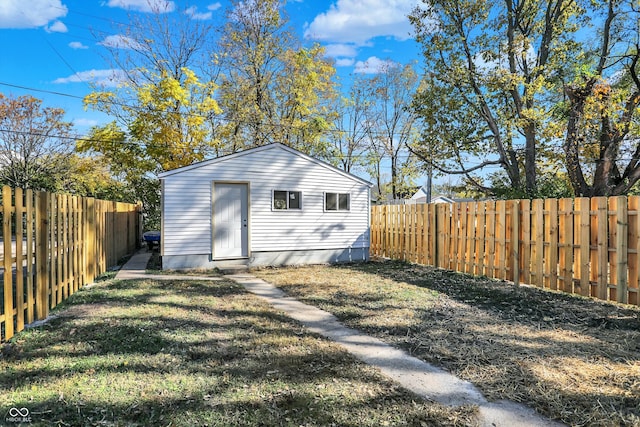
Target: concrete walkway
x: 423, y: 379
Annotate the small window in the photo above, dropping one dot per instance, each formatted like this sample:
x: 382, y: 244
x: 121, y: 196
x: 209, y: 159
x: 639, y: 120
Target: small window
x: 336, y: 201
x: 283, y: 200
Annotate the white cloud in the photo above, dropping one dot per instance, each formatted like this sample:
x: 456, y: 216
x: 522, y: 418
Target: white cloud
x: 77, y: 45
x: 340, y: 49
x: 107, y: 78
x: 194, y: 14
x: 345, y: 62
x: 85, y: 122
x: 214, y: 6
x: 373, y: 65
x: 57, y: 27
x: 121, y: 42
x: 357, y: 21
x: 34, y: 14
x: 144, y: 5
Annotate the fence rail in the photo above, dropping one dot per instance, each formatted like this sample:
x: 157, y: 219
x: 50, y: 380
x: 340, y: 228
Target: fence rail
x: 582, y: 246
x: 52, y: 245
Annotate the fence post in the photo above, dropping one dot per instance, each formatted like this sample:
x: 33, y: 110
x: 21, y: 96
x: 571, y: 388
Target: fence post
x: 90, y: 246
x: 538, y: 239
x: 30, y: 267
x: 493, y: 246
x: 113, y: 250
x: 582, y: 205
x: 551, y: 232
x: 481, y: 236
x: 622, y: 225
x: 501, y: 239
x: 471, y: 246
x: 18, y: 217
x: 59, y: 244
x: 634, y: 256
x: 602, y: 234
x: 392, y: 217
x: 455, y: 240
x: 515, y: 241
x: 8, y: 279
x: 433, y: 223
x: 42, y: 244
x: 442, y: 250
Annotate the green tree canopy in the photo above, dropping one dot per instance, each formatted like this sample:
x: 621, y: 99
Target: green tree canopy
x: 272, y: 89
x: 35, y: 142
x: 167, y: 127
x: 525, y: 86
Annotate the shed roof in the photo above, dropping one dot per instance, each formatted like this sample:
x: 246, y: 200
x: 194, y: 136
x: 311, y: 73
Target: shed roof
x: 256, y: 150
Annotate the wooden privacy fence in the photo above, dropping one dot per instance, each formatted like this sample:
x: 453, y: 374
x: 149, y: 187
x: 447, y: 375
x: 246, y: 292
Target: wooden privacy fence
x: 52, y: 245
x: 582, y: 246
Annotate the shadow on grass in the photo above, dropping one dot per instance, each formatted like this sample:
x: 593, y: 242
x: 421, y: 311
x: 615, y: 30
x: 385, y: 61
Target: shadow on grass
x: 556, y: 352
x: 186, y: 353
x: 509, y: 301
x: 276, y: 407
x: 499, y: 301
x: 519, y: 338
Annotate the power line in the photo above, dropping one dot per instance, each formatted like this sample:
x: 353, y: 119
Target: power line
x: 140, y: 144
x: 77, y: 37
x: 186, y: 114
x: 110, y: 102
x: 54, y: 136
x: 59, y: 55
x: 88, y: 15
x: 40, y: 90
x: 112, y: 22
x: 555, y: 149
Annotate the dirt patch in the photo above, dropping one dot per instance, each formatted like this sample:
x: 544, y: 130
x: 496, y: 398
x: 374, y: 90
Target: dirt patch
x: 154, y: 266
x: 573, y: 359
x: 82, y: 311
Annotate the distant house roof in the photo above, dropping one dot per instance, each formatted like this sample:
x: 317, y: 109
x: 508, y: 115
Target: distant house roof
x: 422, y: 192
x: 404, y: 193
x: 442, y: 199
x: 420, y: 196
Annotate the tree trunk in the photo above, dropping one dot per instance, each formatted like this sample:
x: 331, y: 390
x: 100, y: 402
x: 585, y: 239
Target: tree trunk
x: 577, y: 98
x: 429, y: 182
x: 530, y: 159
x: 607, y: 174
x: 394, y: 171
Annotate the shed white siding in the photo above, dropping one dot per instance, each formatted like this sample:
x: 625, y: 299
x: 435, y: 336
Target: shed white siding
x: 187, y: 204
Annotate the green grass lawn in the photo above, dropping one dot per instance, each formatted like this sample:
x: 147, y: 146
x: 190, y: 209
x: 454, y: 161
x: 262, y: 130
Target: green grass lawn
x: 571, y: 358
x: 189, y: 353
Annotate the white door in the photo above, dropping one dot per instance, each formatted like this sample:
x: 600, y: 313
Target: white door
x: 230, y: 221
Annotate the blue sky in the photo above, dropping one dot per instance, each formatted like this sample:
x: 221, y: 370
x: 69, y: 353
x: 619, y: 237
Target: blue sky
x: 53, y: 46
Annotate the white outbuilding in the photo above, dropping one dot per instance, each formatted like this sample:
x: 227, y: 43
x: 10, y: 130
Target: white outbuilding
x: 270, y: 205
